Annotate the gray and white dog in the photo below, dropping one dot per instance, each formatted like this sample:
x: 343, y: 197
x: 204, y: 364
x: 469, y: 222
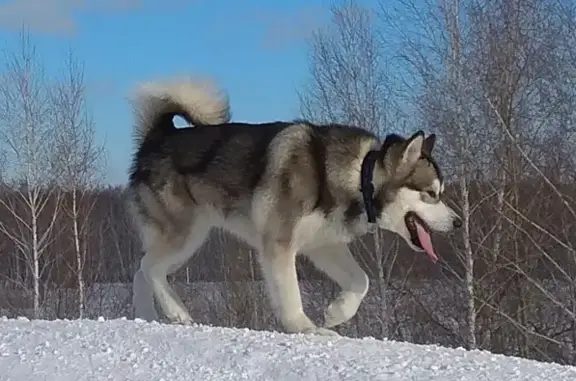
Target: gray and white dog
x: 283, y: 187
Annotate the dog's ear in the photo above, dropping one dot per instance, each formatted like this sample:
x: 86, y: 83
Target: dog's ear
x: 428, y: 144
x: 390, y: 141
x: 412, y: 150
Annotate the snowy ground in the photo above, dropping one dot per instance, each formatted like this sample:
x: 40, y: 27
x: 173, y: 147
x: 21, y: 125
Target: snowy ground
x: 127, y: 350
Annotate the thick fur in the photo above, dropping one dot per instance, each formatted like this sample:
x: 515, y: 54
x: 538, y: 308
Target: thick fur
x: 283, y: 187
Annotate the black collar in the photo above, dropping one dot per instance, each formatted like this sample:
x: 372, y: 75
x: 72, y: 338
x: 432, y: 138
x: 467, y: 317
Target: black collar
x: 366, y: 185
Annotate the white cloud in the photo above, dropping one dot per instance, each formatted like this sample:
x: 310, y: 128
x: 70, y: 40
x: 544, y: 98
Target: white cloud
x: 59, y: 16
x: 53, y: 16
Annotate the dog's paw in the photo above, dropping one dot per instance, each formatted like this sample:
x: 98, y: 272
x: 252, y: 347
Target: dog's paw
x: 342, y: 309
x: 148, y: 315
x: 180, y: 319
x: 319, y: 331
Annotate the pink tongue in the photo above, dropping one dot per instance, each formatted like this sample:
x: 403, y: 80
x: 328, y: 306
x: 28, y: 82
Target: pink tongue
x: 426, y: 242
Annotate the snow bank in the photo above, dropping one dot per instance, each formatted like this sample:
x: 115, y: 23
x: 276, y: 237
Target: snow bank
x: 132, y: 350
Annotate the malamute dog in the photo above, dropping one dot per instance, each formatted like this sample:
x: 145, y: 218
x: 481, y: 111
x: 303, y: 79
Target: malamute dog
x: 283, y: 187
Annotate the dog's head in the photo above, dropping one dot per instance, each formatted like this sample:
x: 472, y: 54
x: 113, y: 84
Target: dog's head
x: 411, y: 194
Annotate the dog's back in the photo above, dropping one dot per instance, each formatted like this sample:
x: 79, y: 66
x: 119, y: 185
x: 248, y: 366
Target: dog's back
x: 219, y: 165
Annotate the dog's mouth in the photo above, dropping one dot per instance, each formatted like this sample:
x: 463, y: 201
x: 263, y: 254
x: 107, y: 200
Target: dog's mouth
x: 420, y: 234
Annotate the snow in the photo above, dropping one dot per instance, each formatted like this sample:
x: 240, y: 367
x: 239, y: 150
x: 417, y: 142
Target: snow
x: 82, y: 350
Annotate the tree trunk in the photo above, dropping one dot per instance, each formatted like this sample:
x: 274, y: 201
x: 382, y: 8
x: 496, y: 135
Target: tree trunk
x: 35, y: 259
x: 469, y: 264
x: 79, y: 256
x: 381, y: 285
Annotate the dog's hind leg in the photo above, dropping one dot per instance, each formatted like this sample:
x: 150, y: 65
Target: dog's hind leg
x: 278, y: 261
x: 143, y: 298
x: 164, y: 255
x: 338, y: 263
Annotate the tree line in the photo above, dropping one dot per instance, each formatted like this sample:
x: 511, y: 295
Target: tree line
x: 110, y: 247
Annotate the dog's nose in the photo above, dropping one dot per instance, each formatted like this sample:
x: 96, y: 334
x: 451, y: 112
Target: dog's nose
x: 457, y: 223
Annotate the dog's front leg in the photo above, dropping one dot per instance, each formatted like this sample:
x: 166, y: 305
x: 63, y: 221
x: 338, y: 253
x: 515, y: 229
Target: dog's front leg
x: 278, y: 261
x: 337, y: 262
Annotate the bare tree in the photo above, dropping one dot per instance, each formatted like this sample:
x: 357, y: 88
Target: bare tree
x: 495, y: 80
x: 26, y: 135
x: 350, y: 81
x: 492, y: 79
x: 77, y: 160
x: 443, y: 106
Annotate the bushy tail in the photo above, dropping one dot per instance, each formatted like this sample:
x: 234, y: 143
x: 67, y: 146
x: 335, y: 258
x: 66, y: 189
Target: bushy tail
x: 198, y: 101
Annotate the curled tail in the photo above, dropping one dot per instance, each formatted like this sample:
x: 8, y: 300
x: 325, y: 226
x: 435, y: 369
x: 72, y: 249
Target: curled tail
x: 198, y: 101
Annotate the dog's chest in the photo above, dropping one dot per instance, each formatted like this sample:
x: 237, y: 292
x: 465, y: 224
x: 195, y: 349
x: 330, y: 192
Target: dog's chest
x: 315, y: 230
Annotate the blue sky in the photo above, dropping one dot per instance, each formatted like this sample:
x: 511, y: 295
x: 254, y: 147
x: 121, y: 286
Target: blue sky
x: 255, y: 49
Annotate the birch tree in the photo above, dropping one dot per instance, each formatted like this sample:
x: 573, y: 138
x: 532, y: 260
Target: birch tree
x: 77, y: 160
x: 27, y: 139
x: 495, y: 80
x: 492, y: 78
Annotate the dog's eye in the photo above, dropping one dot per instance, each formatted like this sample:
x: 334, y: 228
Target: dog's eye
x: 431, y: 194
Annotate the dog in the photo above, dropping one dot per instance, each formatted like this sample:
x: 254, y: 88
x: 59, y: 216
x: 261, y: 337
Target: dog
x: 285, y: 188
